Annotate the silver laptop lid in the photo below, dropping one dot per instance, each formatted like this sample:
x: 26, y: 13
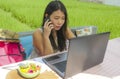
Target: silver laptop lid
x: 85, y: 52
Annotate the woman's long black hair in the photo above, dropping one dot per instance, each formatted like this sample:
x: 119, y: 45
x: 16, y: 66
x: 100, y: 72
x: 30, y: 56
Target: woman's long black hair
x: 61, y: 34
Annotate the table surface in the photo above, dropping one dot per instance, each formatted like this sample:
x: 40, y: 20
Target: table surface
x: 109, y: 69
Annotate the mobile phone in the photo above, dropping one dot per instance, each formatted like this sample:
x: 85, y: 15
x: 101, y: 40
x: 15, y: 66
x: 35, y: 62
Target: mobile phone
x: 47, y: 18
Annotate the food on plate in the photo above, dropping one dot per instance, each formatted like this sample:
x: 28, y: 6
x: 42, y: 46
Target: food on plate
x: 29, y: 70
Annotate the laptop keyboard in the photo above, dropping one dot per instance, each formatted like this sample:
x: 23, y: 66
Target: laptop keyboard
x: 61, y: 66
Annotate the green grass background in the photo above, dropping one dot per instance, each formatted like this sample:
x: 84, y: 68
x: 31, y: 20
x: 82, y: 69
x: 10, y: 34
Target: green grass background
x: 26, y: 15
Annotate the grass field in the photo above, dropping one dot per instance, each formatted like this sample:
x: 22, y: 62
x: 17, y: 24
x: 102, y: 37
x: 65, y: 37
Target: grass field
x: 26, y: 15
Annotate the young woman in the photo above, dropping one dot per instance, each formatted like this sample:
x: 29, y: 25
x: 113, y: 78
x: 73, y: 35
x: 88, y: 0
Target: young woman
x: 52, y: 36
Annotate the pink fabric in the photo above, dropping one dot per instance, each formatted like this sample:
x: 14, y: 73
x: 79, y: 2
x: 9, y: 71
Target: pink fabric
x: 10, y: 52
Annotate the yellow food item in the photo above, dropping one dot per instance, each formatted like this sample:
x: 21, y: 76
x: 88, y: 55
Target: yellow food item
x: 29, y: 68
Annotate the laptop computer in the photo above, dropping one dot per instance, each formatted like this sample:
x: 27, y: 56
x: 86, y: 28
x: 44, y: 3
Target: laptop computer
x: 83, y: 53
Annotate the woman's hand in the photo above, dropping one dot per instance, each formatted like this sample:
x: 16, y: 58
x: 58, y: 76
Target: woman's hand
x: 48, y: 26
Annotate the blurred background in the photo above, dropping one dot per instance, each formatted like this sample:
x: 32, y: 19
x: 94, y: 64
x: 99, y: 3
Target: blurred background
x: 26, y: 15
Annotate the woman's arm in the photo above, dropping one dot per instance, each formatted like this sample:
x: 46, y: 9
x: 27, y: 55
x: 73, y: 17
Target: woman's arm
x: 47, y: 45
x: 42, y: 43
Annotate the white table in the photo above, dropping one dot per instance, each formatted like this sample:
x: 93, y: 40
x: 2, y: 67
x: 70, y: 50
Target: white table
x: 109, y: 69
x: 4, y: 70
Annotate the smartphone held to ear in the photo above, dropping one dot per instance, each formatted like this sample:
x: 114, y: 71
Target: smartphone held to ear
x: 47, y: 18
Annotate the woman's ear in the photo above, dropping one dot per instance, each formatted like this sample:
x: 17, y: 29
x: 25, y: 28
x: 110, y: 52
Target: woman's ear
x: 46, y: 15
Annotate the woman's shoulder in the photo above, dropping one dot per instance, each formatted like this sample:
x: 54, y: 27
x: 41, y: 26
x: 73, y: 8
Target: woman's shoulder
x: 37, y: 32
x: 69, y: 33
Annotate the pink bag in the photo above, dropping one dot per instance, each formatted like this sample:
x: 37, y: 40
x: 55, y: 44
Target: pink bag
x: 11, y: 52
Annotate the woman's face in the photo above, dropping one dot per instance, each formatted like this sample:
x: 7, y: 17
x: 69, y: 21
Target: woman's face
x: 57, y: 18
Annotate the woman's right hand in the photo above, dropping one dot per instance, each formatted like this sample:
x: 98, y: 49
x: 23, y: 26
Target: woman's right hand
x: 48, y: 26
